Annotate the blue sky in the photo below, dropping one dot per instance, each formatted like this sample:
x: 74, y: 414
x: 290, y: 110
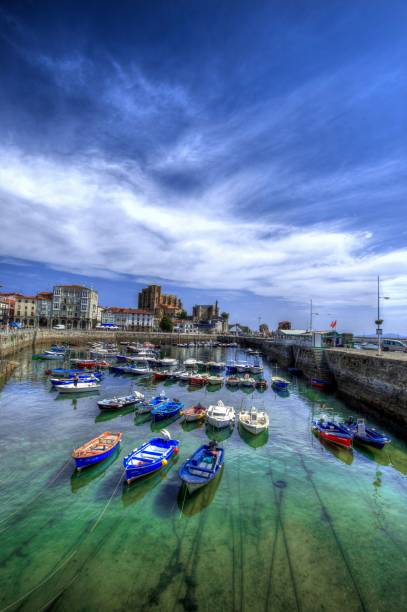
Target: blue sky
x: 250, y: 151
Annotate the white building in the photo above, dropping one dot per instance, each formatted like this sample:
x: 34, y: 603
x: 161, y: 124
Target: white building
x: 129, y: 318
x: 185, y: 326
x: 74, y: 306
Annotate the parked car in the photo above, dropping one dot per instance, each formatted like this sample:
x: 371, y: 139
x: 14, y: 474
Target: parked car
x: 59, y: 327
x: 107, y: 326
x: 394, y: 345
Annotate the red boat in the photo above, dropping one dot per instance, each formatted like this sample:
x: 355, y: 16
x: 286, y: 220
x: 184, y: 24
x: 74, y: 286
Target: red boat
x: 161, y: 375
x: 91, y: 363
x: 198, y: 379
x: 332, y: 432
x: 320, y: 384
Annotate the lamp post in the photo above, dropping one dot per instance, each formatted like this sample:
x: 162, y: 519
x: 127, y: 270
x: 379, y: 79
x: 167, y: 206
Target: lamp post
x: 311, y: 315
x: 379, y: 321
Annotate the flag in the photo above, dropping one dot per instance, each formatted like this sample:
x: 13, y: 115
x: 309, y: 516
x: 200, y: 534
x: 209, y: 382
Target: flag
x: 333, y: 324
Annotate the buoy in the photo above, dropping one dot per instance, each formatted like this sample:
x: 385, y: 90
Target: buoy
x: 176, y: 450
x: 164, y: 462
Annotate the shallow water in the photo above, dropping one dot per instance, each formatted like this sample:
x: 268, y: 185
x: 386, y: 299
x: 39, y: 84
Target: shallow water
x: 289, y: 524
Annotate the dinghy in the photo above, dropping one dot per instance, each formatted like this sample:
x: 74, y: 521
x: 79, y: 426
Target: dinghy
x: 204, y: 465
x: 96, y: 450
x: 332, y: 432
x: 115, y: 403
x: 194, y: 413
x: 166, y: 410
x: 253, y: 420
x: 233, y: 381
x: 148, y: 406
x: 215, y: 380
x: 149, y: 457
x: 279, y: 383
x: 248, y: 381
x: 220, y: 415
x: 57, y: 382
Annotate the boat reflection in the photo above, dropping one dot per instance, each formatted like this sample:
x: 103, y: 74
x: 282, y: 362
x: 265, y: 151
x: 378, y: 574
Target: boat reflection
x: 190, y: 505
x: 254, y: 441
x: 134, y: 492
x: 76, y: 396
x: 282, y: 392
x: 219, y: 435
x: 83, y: 478
x: 140, y: 419
x: 164, y: 423
x: 108, y: 415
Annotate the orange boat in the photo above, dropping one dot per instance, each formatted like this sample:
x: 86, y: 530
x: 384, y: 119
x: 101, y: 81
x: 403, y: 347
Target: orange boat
x: 96, y: 450
x: 194, y: 413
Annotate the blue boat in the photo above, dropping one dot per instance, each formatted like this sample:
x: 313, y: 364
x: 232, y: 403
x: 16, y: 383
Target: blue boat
x: 279, y: 383
x: 58, y: 382
x: 204, y: 465
x: 166, y: 410
x: 96, y: 450
x: 333, y: 432
x: 59, y: 348
x: 366, y: 435
x: 121, y: 358
x: 149, y: 457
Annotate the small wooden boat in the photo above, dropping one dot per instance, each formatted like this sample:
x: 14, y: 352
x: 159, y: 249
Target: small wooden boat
x: 185, y: 376
x: 147, y: 406
x: 194, y: 413
x: 161, y: 375
x: 190, y: 363
x: 80, y: 387
x: 279, y: 383
x: 90, y: 363
x: 115, y: 403
x: 149, y: 457
x: 248, y: 381
x: 366, y: 435
x: 233, y: 381
x: 220, y: 415
x: 332, y: 432
x: 253, y: 420
x: 96, y: 450
x: 49, y: 356
x: 202, y: 467
x: 215, y: 380
x: 320, y: 384
x: 166, y: 410
x: 69, y: 373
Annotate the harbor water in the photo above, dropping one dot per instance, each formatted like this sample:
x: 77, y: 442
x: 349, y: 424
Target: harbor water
x: 289, y: 524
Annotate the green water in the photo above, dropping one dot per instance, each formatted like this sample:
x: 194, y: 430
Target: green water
x: 289, y: 524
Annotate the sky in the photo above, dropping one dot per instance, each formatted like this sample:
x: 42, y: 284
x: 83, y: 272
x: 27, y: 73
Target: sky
x: 247, y: 151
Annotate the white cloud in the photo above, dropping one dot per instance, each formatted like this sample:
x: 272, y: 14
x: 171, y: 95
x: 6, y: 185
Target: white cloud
x: 104, y: 219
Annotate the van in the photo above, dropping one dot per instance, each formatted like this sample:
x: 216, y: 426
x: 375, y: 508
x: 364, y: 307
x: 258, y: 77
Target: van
x: 394, y: 345
x: 59, y: 327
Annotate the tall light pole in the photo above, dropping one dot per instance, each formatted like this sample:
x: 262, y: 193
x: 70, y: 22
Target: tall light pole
x: 379, y: 321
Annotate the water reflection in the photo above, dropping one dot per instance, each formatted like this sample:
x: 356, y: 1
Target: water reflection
x: 109, y: 415
x: 342, y: 454
x: 219, y: 435
x: 86, y: 476
x: 254, y: 441
x: 189, y: 505
x: 135, y: 491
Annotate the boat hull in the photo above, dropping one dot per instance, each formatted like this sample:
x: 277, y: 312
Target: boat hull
x: 134, y: 472
x: 335, y: 438
x: 81, y: 463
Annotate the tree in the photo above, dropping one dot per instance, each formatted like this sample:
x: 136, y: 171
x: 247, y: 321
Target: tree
x: 224, y: 315
x: 166, y: 324
x: 182, y: 315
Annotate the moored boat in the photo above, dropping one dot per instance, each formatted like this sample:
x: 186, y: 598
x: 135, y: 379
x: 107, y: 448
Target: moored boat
x: 277, y: 382
x: 202, y: 467
x: 150, y: 457
x: 248, y: 381
x: 320, y: 384
x: 232, y: 381
x: 193, y: 413
x: 57, y: 382
x: 253, y: 420
x: 115, y: 403
x: 198, y: 379
x: 261, y: 383
x: 366, y: 435
x: 96, y: 450
x: 332, y: 432
x: 79, y: 387
x: 166, y: 410
x: 161, y: 375
x: 220, y: 415
x: 215, y: 380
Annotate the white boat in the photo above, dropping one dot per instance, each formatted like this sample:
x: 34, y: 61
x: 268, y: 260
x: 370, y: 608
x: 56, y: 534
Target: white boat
x: 242, y: 366
x: 253, y: 420
x: 80, y: 387
x: 185, y: 376
x: 248, y: 381
x: 215, y: 380
x: 167, y: 361
x: 256, y: 368
x: 220, y: 415
x: 190, y: 363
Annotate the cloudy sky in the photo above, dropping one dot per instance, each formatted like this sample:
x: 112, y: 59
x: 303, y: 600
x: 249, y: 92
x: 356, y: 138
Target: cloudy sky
x: 251, y: 151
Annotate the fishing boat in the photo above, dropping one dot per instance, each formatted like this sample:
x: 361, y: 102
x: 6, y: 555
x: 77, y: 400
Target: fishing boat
x: 167, y: 361
x: 161, y: 375
x: 185, y: 376
x: 56, y: 382
x: 366, y: 435
x: 49, y: 355
x: 320, y: 384
x: 146, y: 407
x: 248, y: 381
x: 175, y: 374
x: 194, y: 413
x: 190, y: 363
x: 198, y: 379
x: 231, y: 367
x: 90, y: 363
x: 115, y: 403
x: 215, y: 380
x: 279, y: 383
x: 332, y: 432
x: 256, y: 367
x: 96, y: 450
x: 80, y: 387
x: 149, y: 457
x: 202, y: 467
x: 220, y: 415
x: 233, y: 381
x: 242, y: 367
x: 253, y: 420
x: 167, y: 410
x: 215, y: 366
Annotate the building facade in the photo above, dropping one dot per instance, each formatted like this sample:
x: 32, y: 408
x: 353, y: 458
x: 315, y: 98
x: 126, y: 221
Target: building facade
x: 25, y: 310
x: 74, y: 306
x: 44, y: 309
x: 205, y: 312
x: 129, y: 318
x: 150, y: 298
x: 4, y: 310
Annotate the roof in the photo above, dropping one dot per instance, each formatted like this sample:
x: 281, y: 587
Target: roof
x: 44, y: 295
x: 118, y: 310
x: 25, y: 297
x: 74, y: 287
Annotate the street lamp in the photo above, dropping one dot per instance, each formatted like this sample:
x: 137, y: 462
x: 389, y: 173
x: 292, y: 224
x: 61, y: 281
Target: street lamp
x: 379, y: 321
x: 311, y: 315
